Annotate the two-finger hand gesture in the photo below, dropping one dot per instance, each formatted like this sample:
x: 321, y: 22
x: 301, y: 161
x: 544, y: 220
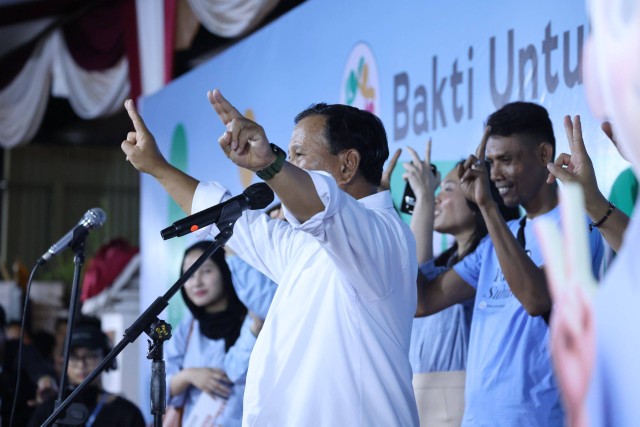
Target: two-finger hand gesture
x: 474, y: 174
x: 244, y: 141
x: 140, y: 146
x: 577, y: 166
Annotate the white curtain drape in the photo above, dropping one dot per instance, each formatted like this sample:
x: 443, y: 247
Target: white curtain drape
x: 231, y: 18
x: 24, y: 100
x: 52, y: 70
x: 91, y: 93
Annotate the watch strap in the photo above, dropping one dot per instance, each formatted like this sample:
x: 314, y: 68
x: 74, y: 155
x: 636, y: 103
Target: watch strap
x: 275, y: 167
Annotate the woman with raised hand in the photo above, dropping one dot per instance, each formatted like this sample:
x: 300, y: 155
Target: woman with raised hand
x: 438, y: 350
x: 209, y: 351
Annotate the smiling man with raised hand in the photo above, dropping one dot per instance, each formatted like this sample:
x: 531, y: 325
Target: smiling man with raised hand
x: 509, y: 375
x: 334, y: 346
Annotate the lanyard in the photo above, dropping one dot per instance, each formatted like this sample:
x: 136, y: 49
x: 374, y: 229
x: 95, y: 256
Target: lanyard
x: 521, y: 239
x: 96, y: 410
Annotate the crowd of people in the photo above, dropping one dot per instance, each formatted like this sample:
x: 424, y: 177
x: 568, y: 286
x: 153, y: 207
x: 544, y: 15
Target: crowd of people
x: 342, y: 324
x: 332, y: 311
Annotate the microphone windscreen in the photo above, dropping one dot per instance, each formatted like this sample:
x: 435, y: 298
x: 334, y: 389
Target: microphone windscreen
x: 95, y: 218
x: 259, y: 195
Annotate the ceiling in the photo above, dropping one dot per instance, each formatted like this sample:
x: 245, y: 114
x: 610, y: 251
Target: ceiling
x: 24, y: 21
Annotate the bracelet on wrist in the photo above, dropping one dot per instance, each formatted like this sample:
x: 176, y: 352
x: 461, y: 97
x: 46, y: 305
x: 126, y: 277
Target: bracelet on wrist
x: 275, y: 167
x: 602, y: 220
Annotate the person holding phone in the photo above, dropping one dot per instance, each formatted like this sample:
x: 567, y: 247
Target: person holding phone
x: 409, y: 197
x: 439, y: 343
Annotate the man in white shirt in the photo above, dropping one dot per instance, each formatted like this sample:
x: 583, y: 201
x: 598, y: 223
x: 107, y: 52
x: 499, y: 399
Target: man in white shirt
x: 333, y: 350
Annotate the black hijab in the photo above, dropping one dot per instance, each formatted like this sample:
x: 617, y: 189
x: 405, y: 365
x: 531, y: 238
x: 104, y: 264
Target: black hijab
x: 224, y: 324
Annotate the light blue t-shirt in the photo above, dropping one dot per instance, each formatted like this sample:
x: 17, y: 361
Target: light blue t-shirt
x: 439, y: 342
x: 510, y: 379
x: 197, y: 351
x: 254, y: 289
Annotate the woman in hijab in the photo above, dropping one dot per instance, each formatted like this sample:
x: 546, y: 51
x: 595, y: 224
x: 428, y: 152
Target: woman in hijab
x: 209, y: 350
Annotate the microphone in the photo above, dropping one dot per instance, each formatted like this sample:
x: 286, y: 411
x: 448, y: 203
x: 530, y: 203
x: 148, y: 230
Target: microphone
x: 92, y: 219
x: 256, y: 196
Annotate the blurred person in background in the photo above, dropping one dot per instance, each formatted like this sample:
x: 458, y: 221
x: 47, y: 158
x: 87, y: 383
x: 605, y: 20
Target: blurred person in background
x: 88, y: 347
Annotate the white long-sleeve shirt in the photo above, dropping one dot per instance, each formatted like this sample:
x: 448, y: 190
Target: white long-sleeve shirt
x: 333, y: 350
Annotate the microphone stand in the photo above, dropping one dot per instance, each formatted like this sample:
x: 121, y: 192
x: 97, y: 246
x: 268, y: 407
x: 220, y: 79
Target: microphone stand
x: 80, y: 413
x: 156, y: 329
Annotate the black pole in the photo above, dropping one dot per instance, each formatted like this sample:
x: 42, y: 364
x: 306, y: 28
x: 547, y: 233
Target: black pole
x: 78, y: 261
x: 161, y: 332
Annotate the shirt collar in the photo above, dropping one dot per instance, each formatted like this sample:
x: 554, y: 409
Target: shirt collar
x: 379, y: 200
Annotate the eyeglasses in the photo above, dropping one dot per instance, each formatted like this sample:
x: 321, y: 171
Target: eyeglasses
x: 85, y: 359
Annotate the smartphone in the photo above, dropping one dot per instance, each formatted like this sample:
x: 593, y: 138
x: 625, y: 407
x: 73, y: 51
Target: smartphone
x: 409, y: 198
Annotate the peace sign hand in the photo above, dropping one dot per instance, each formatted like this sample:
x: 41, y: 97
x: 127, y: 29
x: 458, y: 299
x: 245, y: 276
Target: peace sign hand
x: 140, y: 146
x: 577, y: 166
x: 244, y: 141
x: 474, y: 175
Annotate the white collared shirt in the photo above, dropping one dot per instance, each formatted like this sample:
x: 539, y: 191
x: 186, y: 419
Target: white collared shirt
x: 333, y: 350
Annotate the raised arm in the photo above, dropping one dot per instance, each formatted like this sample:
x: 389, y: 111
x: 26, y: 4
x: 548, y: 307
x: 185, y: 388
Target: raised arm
x: 245, y: 144
x: 578, y: 167
x: 525, y: 279
x: 385, y: 180
x: 143, y: 153
x: 424, y: 183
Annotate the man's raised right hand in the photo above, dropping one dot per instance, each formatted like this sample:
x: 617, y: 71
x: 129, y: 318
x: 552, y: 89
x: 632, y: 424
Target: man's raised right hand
x: 244, y: 142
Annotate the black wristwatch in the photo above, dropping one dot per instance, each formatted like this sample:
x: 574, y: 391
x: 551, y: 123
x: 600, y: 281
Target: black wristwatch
x: 275, y: 167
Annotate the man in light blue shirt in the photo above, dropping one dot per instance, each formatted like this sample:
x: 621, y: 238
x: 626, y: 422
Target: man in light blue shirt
x: 508, y: 359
